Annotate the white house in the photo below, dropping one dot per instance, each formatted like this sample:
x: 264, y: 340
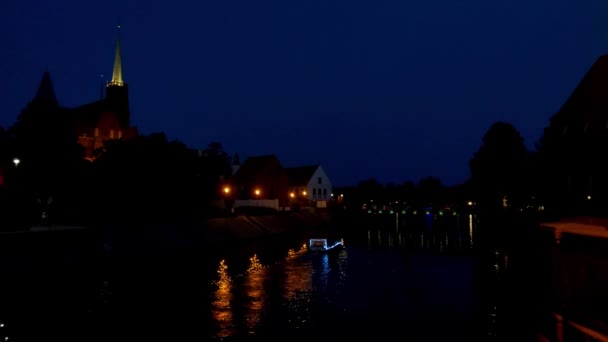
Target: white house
x: 309, y: 182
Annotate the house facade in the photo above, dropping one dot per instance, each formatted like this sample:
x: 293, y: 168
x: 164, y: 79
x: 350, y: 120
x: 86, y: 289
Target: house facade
x: 309, y: 182
x: 262, y: 181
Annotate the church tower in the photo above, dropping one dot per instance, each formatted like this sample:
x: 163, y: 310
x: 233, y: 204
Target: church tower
x: 117, y: 91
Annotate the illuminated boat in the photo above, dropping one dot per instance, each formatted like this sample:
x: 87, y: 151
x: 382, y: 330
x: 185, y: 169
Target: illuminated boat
x: 321, y: 245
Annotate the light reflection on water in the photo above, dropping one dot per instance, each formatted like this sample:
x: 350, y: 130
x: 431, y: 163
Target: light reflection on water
x: 471, y: 229
x: 302, y: 290
x: 254, y: 292
x: 380, y: 283
x: 222, y: 311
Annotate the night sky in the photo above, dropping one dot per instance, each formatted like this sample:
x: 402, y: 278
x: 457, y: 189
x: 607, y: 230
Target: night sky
x: 396, y: 90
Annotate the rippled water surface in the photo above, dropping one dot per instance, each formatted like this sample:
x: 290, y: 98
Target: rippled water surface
x: 385, y: 284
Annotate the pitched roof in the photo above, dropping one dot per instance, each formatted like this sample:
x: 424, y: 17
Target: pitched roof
x: 253, y: 166
x: 300, y: 175
x: 589, y: 100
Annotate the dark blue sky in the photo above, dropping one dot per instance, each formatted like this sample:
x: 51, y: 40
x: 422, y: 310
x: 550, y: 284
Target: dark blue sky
x: 396, y: 90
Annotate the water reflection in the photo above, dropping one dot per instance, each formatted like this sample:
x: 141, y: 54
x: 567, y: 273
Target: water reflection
x: 435, y: 240
x: 341, y: 266
x: 253, y: 289
x: 297, y: 288
x: 275, y: 293
x: 221, y: 310
x: 471, y: 229
x: 297, y: 292
x: 298, y: 275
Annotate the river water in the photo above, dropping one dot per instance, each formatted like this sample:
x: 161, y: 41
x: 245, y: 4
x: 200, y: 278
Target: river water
x: 415, y: 283
x: 420, y: 283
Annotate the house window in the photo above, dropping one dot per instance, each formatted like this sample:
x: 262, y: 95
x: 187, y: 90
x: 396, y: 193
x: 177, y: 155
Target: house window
x: 325, y: 193
x: 314, y: 192
x: 320, y: 180
x: 111, y: 134
x: 319, y: 192
x: 120, y: 134
x: 96, y: 132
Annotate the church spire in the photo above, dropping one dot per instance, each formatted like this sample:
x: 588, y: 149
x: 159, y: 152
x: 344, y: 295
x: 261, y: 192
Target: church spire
x: 46, y: 92
x: 117, y: 71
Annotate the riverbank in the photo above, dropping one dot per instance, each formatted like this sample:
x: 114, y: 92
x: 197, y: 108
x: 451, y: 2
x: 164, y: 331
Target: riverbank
x: 223, y: 230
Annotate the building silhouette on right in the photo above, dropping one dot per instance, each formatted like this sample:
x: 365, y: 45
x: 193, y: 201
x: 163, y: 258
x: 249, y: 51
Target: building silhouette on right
x: 574, y: 145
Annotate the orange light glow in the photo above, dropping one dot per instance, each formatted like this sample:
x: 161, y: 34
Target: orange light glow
x: 227, y: 190
x: 304, y: 193
x: 257, y: 192
x: 292, y: 195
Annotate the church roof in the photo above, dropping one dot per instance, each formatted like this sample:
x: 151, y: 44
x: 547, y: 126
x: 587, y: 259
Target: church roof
x: 46, y: 92
x: 299, y: 176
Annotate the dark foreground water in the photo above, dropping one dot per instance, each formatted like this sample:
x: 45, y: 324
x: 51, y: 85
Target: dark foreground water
x: 415, y: 284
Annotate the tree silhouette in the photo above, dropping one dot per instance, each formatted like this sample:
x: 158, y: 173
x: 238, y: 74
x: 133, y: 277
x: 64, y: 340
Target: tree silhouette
x: 370, y: 189
x: 498, y: 168
x: 145, y: 179
x: 213, y: 168
x: 51, y: 161
x: 430, y: 192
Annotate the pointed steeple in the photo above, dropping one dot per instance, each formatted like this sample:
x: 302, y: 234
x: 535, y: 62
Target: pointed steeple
x: 46, y: 93
x: 117, y: 71
x: 117, y: 91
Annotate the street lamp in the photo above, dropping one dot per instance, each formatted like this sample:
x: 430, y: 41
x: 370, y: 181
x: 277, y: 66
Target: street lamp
x: 257, y: 193
x: 227, y: 190
x: 292, y: 195
x: 16, y: 161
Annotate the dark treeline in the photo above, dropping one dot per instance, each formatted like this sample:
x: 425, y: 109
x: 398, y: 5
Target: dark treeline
x: 429, y: 192
x: 144, y: 179
x: 559, y: 178
x: 152, y: 179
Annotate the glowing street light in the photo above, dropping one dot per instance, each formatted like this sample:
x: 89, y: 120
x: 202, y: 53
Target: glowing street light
x: 16, y: 161
x: 470, y: 203
x: 227, y: 190
x: 257, y: 192
x: 588, y: 197
x: 304, y: 193
x: 292, y: 195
